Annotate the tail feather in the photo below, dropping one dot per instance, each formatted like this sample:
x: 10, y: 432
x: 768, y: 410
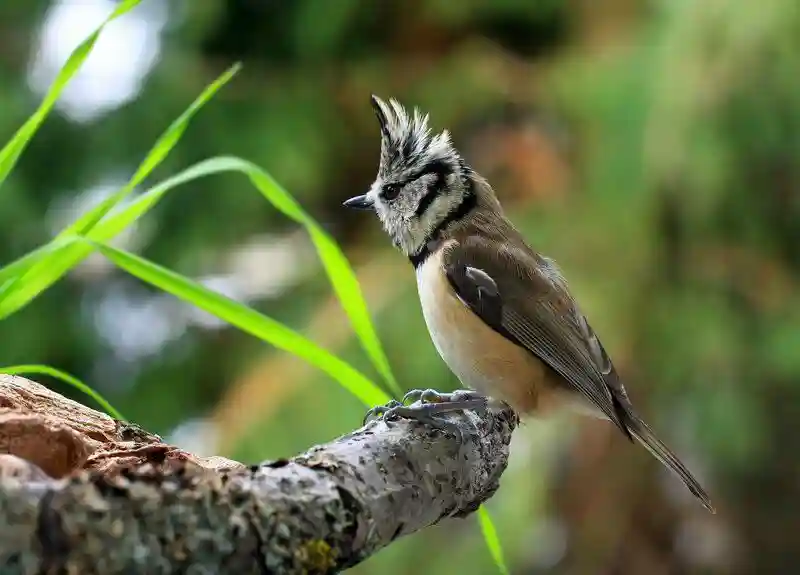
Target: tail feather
x: 642, y: 432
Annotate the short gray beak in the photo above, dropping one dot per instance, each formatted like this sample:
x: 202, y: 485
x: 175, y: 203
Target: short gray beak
x: 359, y: 203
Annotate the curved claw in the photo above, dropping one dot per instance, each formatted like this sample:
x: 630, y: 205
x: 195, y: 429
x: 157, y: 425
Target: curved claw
x: 426, y: 404
x: 417, y: 395
x: 381, y: 410
x: 412, y: 396
x: 424, y: 414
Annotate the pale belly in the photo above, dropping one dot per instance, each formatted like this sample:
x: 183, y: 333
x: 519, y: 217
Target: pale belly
x: 481, y: 358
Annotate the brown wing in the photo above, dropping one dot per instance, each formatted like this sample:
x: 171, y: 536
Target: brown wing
x: 524, y: 299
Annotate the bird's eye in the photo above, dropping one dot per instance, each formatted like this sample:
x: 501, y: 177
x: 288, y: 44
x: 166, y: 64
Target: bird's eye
x: 391, y: 191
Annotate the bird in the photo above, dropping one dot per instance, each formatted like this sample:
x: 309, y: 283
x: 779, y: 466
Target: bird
x: 500, y: 315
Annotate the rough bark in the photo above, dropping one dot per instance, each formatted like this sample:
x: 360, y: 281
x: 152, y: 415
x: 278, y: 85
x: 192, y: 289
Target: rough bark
x: 83, y: 493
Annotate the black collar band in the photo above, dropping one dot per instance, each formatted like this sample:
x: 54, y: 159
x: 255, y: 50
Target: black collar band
x: 468, y: 204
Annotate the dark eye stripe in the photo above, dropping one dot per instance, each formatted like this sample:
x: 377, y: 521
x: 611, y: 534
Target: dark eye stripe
x: 435, y: 167
x: 441, y: 171
x: 468, y: 203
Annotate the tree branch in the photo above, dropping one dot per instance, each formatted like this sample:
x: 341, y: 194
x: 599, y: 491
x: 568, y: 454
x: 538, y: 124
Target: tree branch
x: 83, y: 493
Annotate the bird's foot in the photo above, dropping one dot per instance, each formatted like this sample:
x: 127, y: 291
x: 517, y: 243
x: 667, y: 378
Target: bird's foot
x: 454, y: 401
x: 381, y: 411
x: 426, y: 403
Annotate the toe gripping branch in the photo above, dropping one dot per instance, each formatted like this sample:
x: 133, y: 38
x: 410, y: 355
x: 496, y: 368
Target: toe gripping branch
x: 424, y: 405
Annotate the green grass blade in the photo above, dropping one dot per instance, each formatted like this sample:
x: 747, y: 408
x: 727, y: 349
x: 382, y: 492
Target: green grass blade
x: 248, y: 320
x: 19, y: 266
x: 492, y: 540
x: 30, y: 275
x: 63, y: 255
x: 160, y: 150
x: 68, y: 254
x: 21, y: 285
x: 70, y: 379
x: 341, y: 275
x: 17, y: 144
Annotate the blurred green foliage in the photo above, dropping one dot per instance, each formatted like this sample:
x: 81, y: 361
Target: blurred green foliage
x: 651, y: 148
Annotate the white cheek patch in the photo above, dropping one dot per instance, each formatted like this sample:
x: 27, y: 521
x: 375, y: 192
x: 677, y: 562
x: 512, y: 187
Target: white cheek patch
x: 399, y: 218
x: 381, y: 208
x: 438, y: 211
x: 373, y: 195
x: 412, y: 233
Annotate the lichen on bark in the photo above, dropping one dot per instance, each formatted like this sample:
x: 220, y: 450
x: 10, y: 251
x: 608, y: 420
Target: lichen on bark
x: 102, y: 499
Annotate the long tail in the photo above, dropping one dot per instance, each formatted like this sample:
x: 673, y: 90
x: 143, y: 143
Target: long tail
x: 642, y: 432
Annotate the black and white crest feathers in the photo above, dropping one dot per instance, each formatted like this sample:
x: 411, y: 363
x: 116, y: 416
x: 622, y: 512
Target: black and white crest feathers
x: 423, y: 186
x: 406, y: 139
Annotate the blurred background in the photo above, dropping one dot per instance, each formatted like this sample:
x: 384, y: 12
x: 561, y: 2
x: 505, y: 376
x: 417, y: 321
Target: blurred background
x: 651, y: 148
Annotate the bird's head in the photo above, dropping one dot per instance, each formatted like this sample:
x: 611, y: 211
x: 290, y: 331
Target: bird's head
x: 423, y: 184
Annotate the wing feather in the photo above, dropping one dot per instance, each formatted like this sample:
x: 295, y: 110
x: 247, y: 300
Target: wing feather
x: 526, y: 300
x: 535, y: 312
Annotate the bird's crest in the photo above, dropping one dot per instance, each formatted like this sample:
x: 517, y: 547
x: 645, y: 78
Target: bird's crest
x: 406, y: 139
